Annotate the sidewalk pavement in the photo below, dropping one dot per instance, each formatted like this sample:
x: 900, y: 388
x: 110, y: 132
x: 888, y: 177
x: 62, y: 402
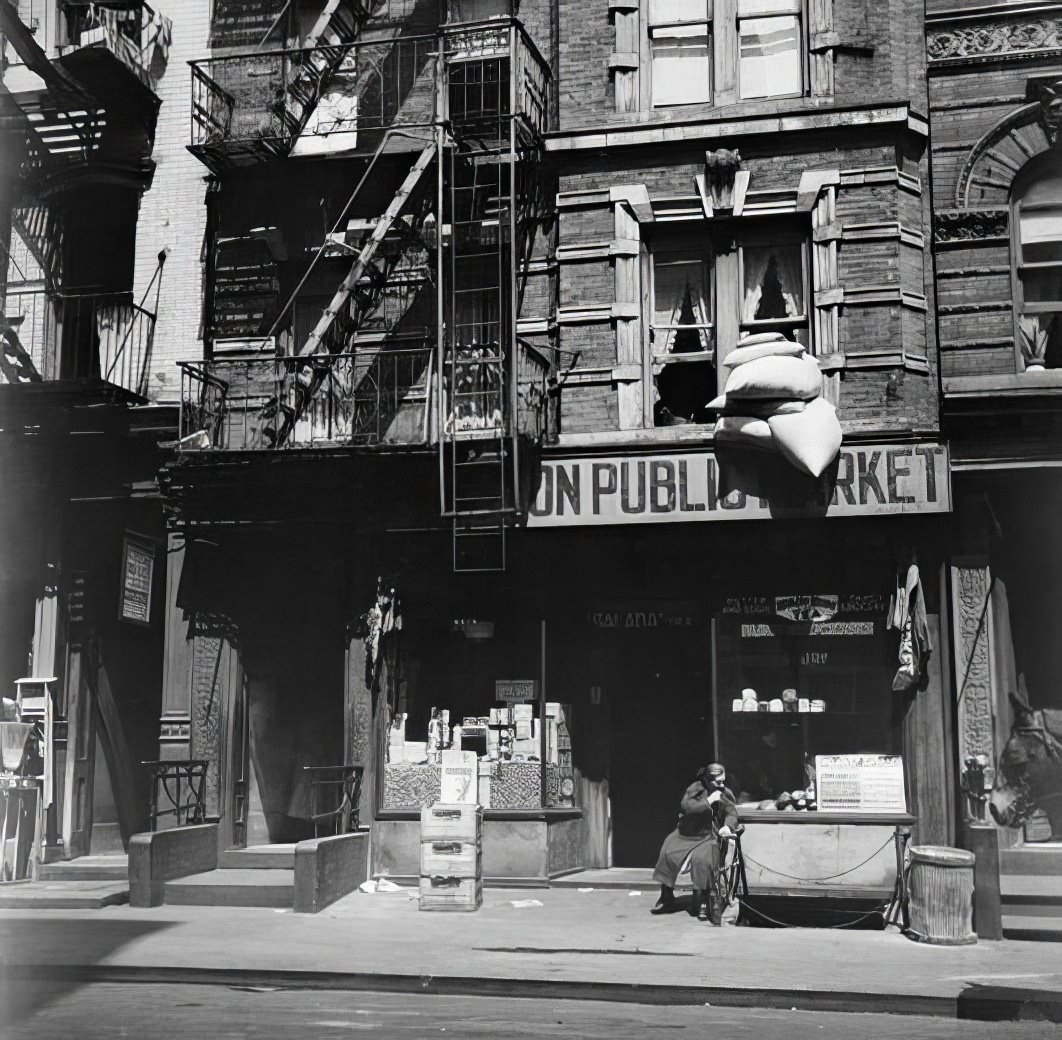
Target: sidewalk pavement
x: 560, y: 943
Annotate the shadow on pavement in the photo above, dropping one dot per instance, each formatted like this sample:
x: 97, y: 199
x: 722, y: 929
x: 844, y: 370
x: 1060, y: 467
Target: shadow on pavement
x: 34, y: 952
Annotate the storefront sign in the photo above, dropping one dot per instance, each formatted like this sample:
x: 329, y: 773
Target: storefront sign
x: 860, y: 783
x: 138, y: 572
x: 515, y: 691
x: 870, y: 480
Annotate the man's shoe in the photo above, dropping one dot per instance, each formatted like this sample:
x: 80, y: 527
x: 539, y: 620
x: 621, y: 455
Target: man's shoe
x: 664, y: 905
x: 702, y: 911
x: 716, y: 912
x: 696, y: 902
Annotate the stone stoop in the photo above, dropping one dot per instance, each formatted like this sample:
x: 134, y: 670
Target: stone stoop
x: 234, y: 886
x: 62, y: 895
x: 1030, y: 882
x: 109, y: 867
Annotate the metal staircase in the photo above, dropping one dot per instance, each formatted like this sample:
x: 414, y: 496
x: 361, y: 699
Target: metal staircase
x: 337, y: 328
x: 42, y: 235
x: 324, y: 49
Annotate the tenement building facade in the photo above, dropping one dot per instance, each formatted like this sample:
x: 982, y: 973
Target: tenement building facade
x: 605, y: 389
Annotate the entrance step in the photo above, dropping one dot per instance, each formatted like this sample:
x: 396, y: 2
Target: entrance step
x: 114, y: 867
x: 259, y: 857
x: 234, y: 886
x: 1032, y: 859
x: 1034, y: 928
x: 62, y: 895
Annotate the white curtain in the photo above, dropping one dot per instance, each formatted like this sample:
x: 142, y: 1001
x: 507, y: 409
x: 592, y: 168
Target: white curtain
x: 678, y: 284
x: 756, y: 260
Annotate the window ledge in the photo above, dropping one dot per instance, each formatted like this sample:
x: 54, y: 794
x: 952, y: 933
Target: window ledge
x: 1026, y: 384
x: 786, y: 115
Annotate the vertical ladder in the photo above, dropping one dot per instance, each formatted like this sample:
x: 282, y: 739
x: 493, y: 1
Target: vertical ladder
x: 479, y: 492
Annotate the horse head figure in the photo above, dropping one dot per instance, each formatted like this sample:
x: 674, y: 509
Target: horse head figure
x: 1030, y: 768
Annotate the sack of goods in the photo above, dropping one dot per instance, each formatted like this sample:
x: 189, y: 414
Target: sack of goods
x: 773, y: 401
x: 451, y: 857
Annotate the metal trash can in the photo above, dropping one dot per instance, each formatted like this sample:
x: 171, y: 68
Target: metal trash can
x: 940, y: 896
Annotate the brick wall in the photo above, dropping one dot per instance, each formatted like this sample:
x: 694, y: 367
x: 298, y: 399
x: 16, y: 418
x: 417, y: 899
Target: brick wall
x: 173, y: 212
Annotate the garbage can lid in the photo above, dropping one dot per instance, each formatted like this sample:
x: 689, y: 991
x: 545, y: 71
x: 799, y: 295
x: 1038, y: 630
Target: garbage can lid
x: 941, y: 855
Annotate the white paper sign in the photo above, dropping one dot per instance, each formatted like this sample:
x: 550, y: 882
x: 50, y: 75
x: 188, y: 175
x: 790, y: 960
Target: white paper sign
x: 860, y: 783
x: 460, y: 777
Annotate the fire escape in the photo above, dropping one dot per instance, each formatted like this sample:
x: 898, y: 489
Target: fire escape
x: 467, y: 108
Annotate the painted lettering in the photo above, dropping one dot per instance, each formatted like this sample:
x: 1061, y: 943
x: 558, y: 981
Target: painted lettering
x: 893, y: 471
x: 662, y: 478
x: 603, y: 480
x: 543, y: 503
x: 868, y: 477
x: 930, y: 457
x: 685, y: 505
x: 625, y: 487
x: 568, y: 490
x: 843, y: 485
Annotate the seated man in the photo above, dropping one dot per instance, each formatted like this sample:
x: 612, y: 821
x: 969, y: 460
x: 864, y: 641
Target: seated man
x: 708, y: 813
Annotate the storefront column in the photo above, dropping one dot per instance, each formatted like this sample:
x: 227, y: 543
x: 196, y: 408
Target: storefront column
x: 359, y: 745
x: 175, y: 724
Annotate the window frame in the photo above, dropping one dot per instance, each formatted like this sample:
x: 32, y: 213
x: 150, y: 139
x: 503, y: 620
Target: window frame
x: 653, y: 28
x: 724, y: 46
x: 721, y: 242
x: 797, y: 9
x: 1042, y: 168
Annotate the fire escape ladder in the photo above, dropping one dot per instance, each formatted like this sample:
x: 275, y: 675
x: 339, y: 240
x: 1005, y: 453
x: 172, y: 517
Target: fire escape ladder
x: 36, y: 226
x: 324, y: 49
x: 337, y: 327
x: 478, y: 448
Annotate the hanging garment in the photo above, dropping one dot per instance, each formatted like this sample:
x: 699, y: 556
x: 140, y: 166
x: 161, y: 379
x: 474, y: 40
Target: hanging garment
x: 908, y: 614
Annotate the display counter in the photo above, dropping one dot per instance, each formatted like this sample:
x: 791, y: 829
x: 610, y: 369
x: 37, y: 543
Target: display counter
x: 521, y: 847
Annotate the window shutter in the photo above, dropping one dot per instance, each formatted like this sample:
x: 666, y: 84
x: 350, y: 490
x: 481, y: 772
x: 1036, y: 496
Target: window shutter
x: 826, y: 291
x: 822, y: 39
x: 625, y: 61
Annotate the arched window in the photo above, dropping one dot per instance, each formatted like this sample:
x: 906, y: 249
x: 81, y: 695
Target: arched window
x: 1038, y: 269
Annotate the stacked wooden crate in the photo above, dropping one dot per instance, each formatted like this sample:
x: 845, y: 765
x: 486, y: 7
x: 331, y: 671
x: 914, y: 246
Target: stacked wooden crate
x: 451, y: 857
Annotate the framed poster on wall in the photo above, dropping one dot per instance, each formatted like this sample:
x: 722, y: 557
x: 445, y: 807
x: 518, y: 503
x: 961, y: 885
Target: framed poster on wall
x: 138, y: 575
x: 860, y: 783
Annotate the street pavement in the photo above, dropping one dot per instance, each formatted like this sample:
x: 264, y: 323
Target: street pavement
x: 183, y: 1012
x: 548, y: 944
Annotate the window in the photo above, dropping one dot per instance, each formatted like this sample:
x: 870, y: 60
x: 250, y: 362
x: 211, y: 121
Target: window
x: 680, y: 46
x: 682, y: 338
x: 765, y: 44
x: 773, y: 282
x: 1038, y: 256
x: 769, y: 48
x: 709, y: 287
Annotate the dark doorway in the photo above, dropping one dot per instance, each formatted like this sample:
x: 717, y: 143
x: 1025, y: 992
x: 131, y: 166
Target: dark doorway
x: 660, y: 731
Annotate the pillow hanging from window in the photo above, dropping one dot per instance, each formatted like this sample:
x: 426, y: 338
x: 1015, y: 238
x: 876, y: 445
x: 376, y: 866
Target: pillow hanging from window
x: 770, y: 344
x: 796, y: 378
x: 744, y: 429
x: 762, y: 408
x: 810, y: 440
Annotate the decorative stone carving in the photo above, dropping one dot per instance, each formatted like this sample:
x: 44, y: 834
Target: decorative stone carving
x: 994, y: 40
x: 969, y: 225
x: 971, y: 586
x: 720, y: 169
x: 1050, y: 97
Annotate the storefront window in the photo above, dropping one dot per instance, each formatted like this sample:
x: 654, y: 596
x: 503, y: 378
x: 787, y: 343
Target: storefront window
x: 797, y: 677
x: 473, y: 689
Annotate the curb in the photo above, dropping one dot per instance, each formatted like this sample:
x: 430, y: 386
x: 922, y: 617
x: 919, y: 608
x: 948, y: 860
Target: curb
x: 551, y: 989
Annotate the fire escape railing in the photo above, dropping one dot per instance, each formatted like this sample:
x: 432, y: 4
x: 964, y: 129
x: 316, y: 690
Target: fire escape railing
x: 254, y: 105
x: 366, y: 399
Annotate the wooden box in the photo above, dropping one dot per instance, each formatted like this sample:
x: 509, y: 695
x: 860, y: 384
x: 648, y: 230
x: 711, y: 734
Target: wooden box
x: 461, y: 859
x: 450, y: 893
x: 451, y: 822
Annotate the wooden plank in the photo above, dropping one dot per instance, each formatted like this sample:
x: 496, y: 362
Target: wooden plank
x: 983, y: 841
x: 724, y: 28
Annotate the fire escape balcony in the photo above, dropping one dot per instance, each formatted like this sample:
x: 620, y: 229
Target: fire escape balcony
x: 86, y: 337
x: 339, y: 99
x: 386, y: 397
x: 370, y: 399
x: 496, y: 79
